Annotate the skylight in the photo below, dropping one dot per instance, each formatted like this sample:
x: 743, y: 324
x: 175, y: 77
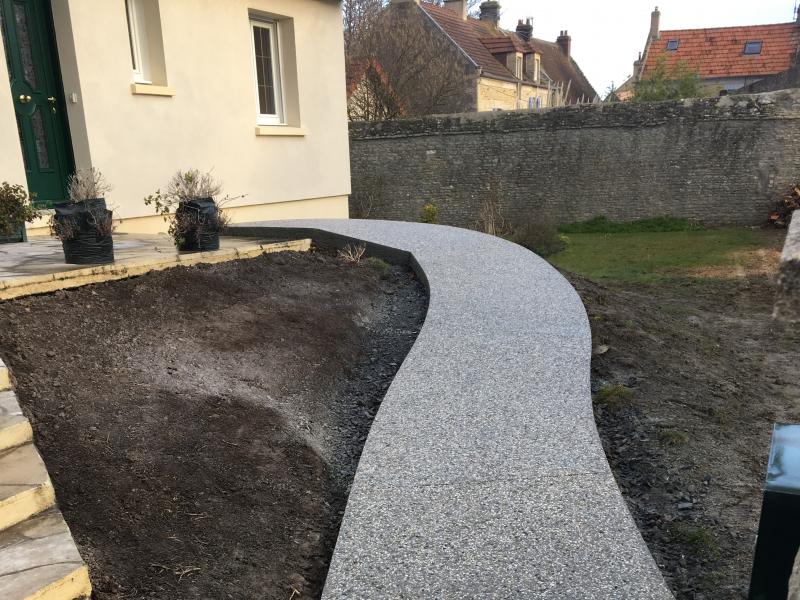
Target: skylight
x: 752, y: 47
x: 672, y: 45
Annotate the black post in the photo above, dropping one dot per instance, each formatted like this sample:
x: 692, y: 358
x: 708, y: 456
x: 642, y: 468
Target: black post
x: 779, y: 529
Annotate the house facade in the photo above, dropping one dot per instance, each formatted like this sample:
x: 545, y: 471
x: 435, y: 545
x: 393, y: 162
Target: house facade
x: 250, y: 89
x: 503, y: 70
x: 726, y: 58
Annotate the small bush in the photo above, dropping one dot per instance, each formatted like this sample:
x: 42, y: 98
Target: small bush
x: 698, y: 538
x: 656, y: 225
x: 429, y: 214
x: 382, y: 267
x: 613, y: 395
x: 15, y: 209
x: 353, y: 253
x: 672, y: 437
x: 540, y: 236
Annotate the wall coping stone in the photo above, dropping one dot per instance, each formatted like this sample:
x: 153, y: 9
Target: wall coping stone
x: 483, y: 475
x: 787, y: 305
x: 782, y: 104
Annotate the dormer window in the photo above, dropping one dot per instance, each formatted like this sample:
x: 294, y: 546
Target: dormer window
x: 518, y: 67
x: 672, y: 45
x: 753, y: 47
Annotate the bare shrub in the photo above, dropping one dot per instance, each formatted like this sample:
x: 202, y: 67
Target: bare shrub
x: 353, y: 253
x: 490, y: 218
x: 192, y: 184
x: 540, y: 235
x: 367, y: 197
x: 87, y: 184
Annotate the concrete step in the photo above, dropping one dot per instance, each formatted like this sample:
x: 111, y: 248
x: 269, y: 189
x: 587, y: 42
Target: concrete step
x: 39, y: 561
x: 5, y: 379
x: 15, y: 429
x: 25, y: 487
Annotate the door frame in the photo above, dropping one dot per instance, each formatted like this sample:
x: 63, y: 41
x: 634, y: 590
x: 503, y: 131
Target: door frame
x: 50, y: 41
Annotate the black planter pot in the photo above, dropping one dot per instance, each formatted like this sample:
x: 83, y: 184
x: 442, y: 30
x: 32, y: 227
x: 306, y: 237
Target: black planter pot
x: 88, y: 243
x: 198, y: 220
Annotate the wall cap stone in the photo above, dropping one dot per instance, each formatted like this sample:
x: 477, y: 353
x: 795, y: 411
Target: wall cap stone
x: 784, y: 104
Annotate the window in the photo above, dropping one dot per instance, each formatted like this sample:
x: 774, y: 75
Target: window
x: 146, y: 45
x: 137, y: 34
x: 752, y: 47
x: 518, y: 67
x: 269, y: 89
x: 672, y: 45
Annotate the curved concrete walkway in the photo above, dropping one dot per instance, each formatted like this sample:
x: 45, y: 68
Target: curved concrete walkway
x: 483, y: 475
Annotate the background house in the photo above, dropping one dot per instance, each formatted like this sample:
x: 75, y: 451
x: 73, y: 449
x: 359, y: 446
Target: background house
x: 470, y: 64
x: 252, y: 89
x: 726, y: 58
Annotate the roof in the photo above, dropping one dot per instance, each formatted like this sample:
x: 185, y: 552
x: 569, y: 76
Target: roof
x: 480, y: 40
x: 467, y: 34
x: 561, y: 67
x: 719, y: 51
x: 358, y: 69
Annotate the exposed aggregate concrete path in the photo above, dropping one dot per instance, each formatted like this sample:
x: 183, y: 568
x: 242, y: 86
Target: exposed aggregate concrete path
x: 483, y: 475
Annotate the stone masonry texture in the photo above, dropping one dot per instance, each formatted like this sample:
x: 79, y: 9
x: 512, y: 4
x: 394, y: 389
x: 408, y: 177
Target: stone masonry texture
x: 722, y: 161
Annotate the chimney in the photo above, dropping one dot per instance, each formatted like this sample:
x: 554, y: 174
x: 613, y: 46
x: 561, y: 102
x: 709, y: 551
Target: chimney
x: 490, y: 12
x: 457, y: 6
x: 525, y: 30
x: 655, y: 24
x: 565, y: 42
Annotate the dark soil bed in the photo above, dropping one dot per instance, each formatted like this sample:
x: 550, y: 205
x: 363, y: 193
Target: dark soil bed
x: 695, y: 374
x: 202, y: 425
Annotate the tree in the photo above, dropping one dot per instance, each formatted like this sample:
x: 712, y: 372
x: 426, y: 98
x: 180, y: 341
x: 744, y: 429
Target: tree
x: 668, y: 82
x: 422, y: 72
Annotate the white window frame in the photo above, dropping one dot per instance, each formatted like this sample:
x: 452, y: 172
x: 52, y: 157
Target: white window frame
x: 277, y: 73
x: 140, y: 46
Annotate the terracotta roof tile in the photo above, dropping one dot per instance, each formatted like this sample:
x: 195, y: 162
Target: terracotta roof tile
x: 719, y: 51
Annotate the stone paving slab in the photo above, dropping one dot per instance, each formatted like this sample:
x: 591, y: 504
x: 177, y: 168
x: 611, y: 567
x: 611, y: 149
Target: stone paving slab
x: 25, y: 487
x: 38, y: 559
x: 483, y: 475
x: 5, y: 379
x: 14, y: 427
x: 38, y: 267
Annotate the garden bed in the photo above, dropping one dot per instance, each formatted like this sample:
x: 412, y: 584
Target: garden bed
x: 202, y: 425
x: 689, y: 375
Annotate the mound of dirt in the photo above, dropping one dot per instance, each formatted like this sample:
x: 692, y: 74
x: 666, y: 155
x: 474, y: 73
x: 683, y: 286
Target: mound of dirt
x: 202, y: 425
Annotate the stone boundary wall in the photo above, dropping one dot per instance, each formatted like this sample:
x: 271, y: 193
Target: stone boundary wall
x: 787, y: 305
x: 720, y: 160
x: 483, y: 475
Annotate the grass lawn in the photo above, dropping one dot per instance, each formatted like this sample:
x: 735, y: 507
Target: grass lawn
x: 654, y: 256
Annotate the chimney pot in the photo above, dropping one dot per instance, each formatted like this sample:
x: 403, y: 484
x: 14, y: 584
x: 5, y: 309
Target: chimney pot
x: 490, y: 12
x: 457, y: 6
x: 565, y: 42
x: 525, y: 29
x: 655, y: 24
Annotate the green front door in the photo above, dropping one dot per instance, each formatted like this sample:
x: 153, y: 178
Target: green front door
x: 36, y: 90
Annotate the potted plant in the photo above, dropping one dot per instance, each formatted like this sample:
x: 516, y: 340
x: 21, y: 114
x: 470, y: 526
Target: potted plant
x: 84, y: 224
x: 15, y: 211
x: 189, y: 205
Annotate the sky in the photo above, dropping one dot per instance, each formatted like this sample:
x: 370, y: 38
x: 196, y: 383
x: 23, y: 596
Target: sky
x: 607, y: 36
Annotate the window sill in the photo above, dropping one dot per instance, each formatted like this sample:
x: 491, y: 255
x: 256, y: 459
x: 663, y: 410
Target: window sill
x: 146, y: 89
x: 280, y: 130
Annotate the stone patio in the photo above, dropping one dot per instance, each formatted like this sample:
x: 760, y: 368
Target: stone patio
x: 37, y: 266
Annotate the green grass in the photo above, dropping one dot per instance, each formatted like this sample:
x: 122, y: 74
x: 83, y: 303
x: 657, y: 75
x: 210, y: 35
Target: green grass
x: 658, y: 224
x: 653, y: 256
x: 613, y: 395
